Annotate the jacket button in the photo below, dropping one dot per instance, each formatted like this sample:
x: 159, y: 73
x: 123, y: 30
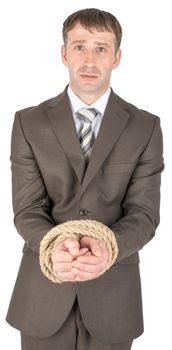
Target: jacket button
x: 83, y: 212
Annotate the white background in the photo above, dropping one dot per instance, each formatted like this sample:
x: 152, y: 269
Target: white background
x: 31, y: 71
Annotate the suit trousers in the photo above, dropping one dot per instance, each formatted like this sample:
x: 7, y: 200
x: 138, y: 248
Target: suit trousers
x: 73, y: 335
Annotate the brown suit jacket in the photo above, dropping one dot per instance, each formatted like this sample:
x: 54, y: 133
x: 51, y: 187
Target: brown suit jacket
x: 120, y: 188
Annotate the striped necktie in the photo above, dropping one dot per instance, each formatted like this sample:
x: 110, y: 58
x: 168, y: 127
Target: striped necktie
x: 87, y: 137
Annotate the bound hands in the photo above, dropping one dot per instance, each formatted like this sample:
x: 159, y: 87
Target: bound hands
x: 80, y: 261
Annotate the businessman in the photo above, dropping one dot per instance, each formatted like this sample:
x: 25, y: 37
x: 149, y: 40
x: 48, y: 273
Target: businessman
x: 85, y: 154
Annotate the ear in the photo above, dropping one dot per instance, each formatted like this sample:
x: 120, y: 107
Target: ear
x: 117, y: 59
x: 63, y: 55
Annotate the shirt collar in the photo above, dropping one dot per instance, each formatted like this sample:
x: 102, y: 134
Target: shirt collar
x: 99, y: 104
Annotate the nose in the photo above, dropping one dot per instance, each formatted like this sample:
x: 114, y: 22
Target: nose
x: 89, y: 58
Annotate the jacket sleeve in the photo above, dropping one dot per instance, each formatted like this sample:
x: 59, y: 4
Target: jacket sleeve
x: 142, y: 200
x: 31, y: 204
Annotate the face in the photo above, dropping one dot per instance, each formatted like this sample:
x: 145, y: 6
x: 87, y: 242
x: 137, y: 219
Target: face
x: 90, y: 58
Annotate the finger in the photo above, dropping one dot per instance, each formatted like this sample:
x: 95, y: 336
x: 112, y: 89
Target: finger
x: 97, y: 251
x: 86, y: 242
x: 92, y: 268
x: 83, y: 251
x: 67, y: 276
x: 62, y: 267
x: 88, y: 254
x: 72, y: 245
x: 61, y: 256
x: 87, y: 268
x: 97, y: 248
x: 89, y: 259
x: 93, y: 244
x: 84, y: 276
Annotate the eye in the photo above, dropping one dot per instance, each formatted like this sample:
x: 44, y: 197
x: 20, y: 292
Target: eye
x: 101, y: 49
x: 79, y: 47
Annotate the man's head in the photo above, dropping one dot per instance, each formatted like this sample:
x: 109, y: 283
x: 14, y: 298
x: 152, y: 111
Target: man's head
x: 91, y: 51
x: 93, y: 18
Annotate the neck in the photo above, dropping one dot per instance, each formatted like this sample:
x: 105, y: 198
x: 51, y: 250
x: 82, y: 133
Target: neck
x: 88, y: 98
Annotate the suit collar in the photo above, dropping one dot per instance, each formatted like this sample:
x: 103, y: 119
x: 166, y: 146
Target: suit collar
x: 113, y: 123
x: 61, y: 120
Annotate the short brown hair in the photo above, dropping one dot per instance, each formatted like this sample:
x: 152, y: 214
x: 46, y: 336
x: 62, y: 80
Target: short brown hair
x: 94, y: 18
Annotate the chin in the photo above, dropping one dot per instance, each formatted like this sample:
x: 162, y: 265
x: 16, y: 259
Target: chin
x: 88, y: 87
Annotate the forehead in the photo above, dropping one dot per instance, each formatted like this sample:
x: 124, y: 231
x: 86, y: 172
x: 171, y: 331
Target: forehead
x: 78, y: 32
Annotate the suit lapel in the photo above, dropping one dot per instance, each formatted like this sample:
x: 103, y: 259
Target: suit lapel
x: 113, y: 123
x: 61, y: 120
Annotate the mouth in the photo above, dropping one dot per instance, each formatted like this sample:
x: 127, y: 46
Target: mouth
x: 88, y: 76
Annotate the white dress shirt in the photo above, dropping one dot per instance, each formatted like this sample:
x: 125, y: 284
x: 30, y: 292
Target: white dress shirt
x: 99, y: 105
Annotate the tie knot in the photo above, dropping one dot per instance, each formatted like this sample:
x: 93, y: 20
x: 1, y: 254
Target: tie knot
x: 88, y: 114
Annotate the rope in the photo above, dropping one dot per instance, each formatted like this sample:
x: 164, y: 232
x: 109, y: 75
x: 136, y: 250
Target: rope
x: 75, y: 229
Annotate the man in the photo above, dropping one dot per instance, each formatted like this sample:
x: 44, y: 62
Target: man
x: 85, y: 154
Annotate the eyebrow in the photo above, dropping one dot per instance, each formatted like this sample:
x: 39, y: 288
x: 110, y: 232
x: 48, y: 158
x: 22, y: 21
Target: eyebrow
x: 96, y: 42
x: 78, y: 42
x: 102, y: 43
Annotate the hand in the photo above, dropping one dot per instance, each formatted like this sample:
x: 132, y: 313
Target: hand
x: 89, y: 266
x: 63, y: 256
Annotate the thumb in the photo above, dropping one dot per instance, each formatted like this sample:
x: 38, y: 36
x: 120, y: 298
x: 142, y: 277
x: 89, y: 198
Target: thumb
x: 96, y: 251
x: 73, y: 246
